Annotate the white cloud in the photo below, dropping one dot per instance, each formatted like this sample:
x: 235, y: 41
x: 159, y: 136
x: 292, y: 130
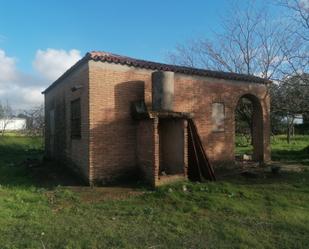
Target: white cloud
x: 21, y: 98
x: 32, y: 95
x: 7, y: 68
x: 23, y: 90
x: 52, y: 63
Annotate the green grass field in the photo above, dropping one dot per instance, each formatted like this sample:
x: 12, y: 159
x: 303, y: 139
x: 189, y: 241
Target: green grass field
x: 270, y: 211
x: 295, y: 152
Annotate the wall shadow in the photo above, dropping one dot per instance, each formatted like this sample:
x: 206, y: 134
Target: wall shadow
x: 114, y: 136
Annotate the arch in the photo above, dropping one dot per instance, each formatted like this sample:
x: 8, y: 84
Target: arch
x: 257, y: 126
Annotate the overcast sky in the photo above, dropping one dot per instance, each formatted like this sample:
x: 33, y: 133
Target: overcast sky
x: 39, y: 40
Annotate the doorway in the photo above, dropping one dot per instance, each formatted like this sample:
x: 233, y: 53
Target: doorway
x: 171, y: 137
x: 249, y: 139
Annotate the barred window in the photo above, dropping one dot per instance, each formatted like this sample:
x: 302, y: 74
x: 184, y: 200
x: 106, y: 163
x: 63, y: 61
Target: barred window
x: 76, y: 119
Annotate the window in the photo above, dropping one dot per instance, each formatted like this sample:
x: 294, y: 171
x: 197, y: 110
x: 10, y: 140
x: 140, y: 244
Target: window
x: 76, y: 119
x: 218, y: 116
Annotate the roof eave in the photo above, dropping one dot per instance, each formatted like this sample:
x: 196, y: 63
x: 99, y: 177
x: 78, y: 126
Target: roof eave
x: 116, y: 59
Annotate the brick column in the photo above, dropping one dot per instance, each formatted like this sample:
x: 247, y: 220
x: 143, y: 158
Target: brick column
x: 156, y: 151
x: 185, y: 149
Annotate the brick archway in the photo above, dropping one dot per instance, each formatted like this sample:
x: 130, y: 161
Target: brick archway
x: 257, y: 126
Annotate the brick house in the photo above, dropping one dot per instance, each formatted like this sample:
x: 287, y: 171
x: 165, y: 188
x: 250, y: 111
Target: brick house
x: 111, y: 116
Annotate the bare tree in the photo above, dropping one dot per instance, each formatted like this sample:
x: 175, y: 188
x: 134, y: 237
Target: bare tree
x: 251, y: 43
x: 35, y: 120
x: 6, y: 115
x: 299, y: 13
x: 297, y: 54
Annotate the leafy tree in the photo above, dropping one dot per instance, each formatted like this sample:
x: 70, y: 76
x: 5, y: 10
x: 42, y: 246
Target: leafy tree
x: 290, y: 99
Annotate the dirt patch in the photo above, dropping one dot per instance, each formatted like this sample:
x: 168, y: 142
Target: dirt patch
x: 98, y: 194
x: 255, y: 170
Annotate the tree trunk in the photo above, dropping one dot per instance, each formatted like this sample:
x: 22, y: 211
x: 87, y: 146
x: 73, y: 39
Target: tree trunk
x: 288, y: 135
x: 290, y: 126
x: 251, y: 132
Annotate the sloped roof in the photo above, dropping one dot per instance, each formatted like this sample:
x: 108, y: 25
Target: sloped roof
x: 128, y: 61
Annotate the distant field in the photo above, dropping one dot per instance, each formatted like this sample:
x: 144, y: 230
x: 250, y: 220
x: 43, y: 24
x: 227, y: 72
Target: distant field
x: 37, y: 210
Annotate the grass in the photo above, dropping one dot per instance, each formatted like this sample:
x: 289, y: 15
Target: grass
x: 295, y: 152
x: 271, y: 211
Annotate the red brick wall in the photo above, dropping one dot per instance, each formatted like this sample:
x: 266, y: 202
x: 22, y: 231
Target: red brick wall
x: 112, y: 129
x: 196, y: 94
x: 146, y: 157
x: 113, y: 138
x: 108, y: 147
x: 73, y: 152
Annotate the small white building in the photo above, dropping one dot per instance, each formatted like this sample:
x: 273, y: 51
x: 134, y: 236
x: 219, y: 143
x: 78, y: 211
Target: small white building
x: 14, y: 124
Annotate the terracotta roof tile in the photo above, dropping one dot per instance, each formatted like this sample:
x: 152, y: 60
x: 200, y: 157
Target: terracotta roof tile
x: 124, y: 60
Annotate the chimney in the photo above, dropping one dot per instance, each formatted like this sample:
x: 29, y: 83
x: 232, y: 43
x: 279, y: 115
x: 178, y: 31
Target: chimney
x: 162, y: 91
